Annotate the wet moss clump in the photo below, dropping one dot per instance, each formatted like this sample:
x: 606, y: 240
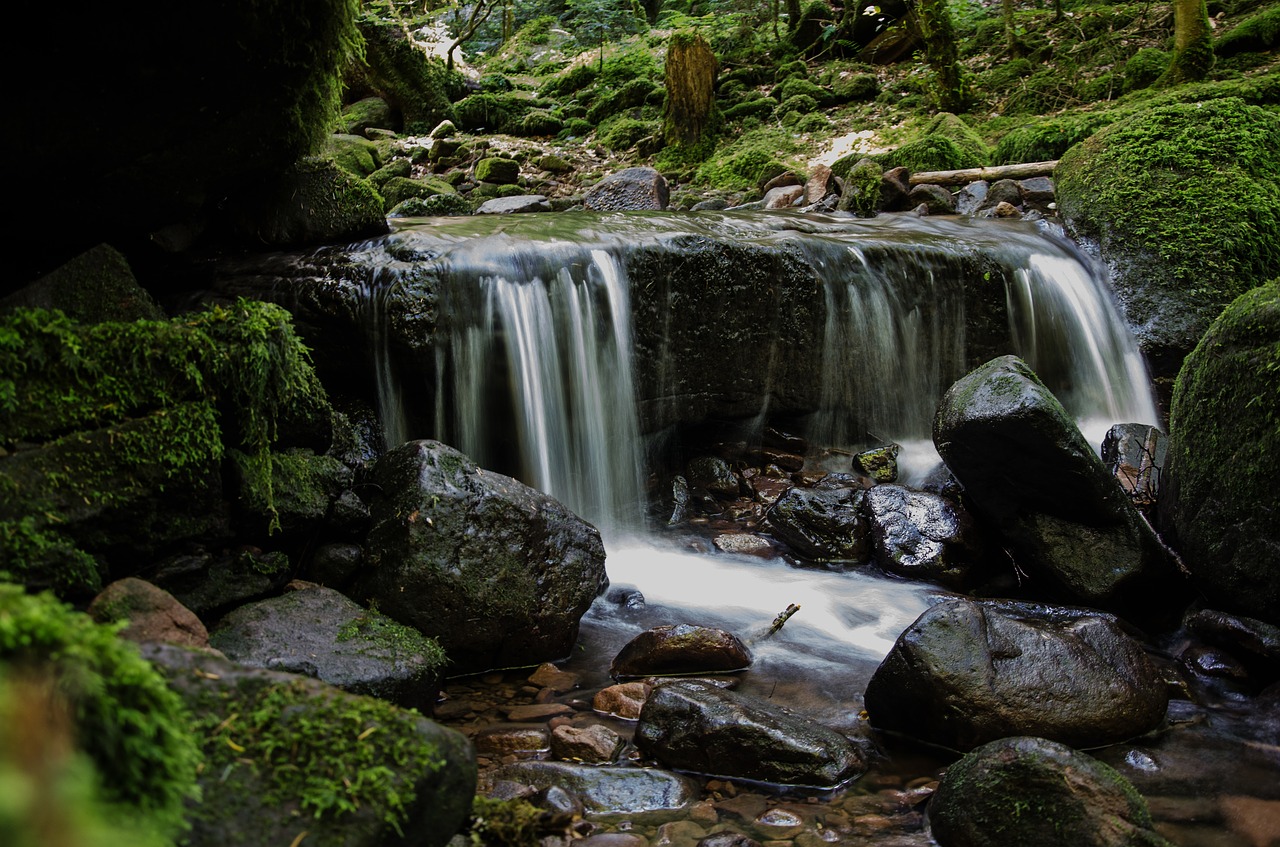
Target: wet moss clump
x: 124, y: 717
x: 1047, y: 139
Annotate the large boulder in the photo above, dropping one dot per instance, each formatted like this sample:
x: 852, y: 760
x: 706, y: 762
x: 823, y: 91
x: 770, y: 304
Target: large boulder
x: 921, y: 535
x: 965, y: 673
x: 630, y: 189
x: 1222, y: 505
x: 1028, y: 471
x: 825, y: 524
x: 697, y: 726
x: 98, y: 285
x: 1183, y: 204
x: 417, y: 86
x: 285, y: 753
x: 1033, y: 791
x: 321, y: 633
x: 500, y: 573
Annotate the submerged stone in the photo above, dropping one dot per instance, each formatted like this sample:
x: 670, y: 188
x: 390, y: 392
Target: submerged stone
x: 696, y: 726
x: 608, y: 790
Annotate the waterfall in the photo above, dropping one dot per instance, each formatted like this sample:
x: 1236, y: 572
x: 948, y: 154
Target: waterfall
x: 538, y: 369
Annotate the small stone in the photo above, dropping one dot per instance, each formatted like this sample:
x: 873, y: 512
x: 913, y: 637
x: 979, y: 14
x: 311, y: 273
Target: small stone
x: 744, y: 544
x: 537, y: 712
x: 592, y: 744
x: 549, y: 676
x: 881, y: 463
x: 1006, y: 210
x: 624, y: 700
x: 504, y: 741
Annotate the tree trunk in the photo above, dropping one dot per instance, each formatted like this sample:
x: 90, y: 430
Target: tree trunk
x: 1192, y: 43
x: 793, y: 15
x: 1010, y: 36
x: 933, y: 22
x: 691, y: 82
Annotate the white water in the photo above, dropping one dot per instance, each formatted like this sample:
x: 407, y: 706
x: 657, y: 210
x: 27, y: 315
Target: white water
x: 537, y: 374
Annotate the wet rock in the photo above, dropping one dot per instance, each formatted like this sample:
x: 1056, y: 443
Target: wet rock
x: 1135, y: 454
x: 698, y: 727
x: 1034, y: 791
x: 1002, y: 191
x: 538, y: 712
x: 680, y: 649
x: 1005, y: 210
x: 966, y: 673
x: 319, y: 632
x: 1222, y: 508
x: 211, y: 585
x: 821, y: 183
x: 1255, y: 642
x: 522, y: 741
x: 776, y: 824
x: 613, y: 839
x: 630, y: 189
x: 715, y: 204
x: 242, y: 800
x: 714, y: 475
x: 825, y: 524
x: 680, y: 498
x: 921, y: 535
x: 1037, y: 191
x: 624, y: 700
x: 335, y: 565
x: 592, y: 744
x: 970, y: 198
x: 514, y: 205
x: 549, y: 676
x: 625, y: 596
x: 767, y: 489
x: 728, y: 839
x: 499, y: 572
x: 783, y: 197
x: 936, y: 199
x: 881, y: 463
x: 1028, y: 471
x: 348, y: 516
x: 895, y: 190
x: 608, y: 790
x: 153, y: 614
x: 743, y: 544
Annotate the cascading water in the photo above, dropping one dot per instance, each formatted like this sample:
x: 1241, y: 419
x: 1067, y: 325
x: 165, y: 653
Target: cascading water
x: 540, y: 372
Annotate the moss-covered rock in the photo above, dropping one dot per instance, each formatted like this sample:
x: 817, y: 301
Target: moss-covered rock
x: 134, y: 729
x: 98, y: 285
x: 416, y: 85
x: 365, y: 113
x: 498, y: 170
x: 1221, y: 504
x: 398, y: 189
x: 1252, y: 35
x: 353, y: 153
x: 1026, y: 790
x: 946, y: 143
x: 314, y: 202
x: 1046, y: 139
x: 284, y: 753
x: 1184, y: 204
x: 396, y: 167
x: 435, y: 205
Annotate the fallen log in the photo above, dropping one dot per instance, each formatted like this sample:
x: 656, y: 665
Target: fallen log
x: 967, y: 175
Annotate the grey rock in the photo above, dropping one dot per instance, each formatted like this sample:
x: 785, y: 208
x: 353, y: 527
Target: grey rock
x: 921, y: 535
x: 970, y: 198
x: 631, y: 189
x: 514, y: 205
x: 608, y: 790
x: 937, y: 199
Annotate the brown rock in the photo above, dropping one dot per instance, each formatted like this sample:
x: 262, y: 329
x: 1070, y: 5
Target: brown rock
x: 680, y: 649
x: 154, y: 615
x: 595, y: 744
x: 549, y: 676
x: 622, y: 701
x: 537, y: 712
x: 783, y: 197
x: 507, y: 740
x: 820, y: 184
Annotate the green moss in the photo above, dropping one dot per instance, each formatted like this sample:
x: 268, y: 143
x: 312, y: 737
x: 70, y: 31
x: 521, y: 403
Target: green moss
x: 330, y: 753
x: 440, y: 205
x: 800, y: 104
x: 1253, y: 35
x: 41, y: 559
x: 862, y: 188
x: 1194, y: 184
x: 570, y: 81
x: 1144, y: 68
x: 749, y: 162
x: 419, y: 86
x: 392, y: 639
x: 798, y: 85
x: 125, y: 717
x: 1047, y: 139
x: 504, y: 823
x: 396, y: 167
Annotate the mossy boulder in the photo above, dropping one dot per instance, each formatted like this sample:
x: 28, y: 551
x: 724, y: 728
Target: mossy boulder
x: 1221, y: 505
x: 1046, y: 139
x: 365, y: 113
x: 416, y: 85
x: 285, y: 753
x: 1183, y: 202
x: 435, y: 205
x: 98, y: 285
x: 353, y: 153
x: 135, y: 731
x: 498, y: 170
x: 398, y: 189
x: 1028, y: 790
x: 499, y: 573
x: 946, y: 143
x: 396, y: 167
x: 313, y: 202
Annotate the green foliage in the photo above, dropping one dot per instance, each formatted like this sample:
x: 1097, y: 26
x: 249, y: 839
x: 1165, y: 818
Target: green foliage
x: 570, y: 81
x: 504, y: 823
x: 622, y: 133
x: 1193, y: 184
x: 928, y: 154
x: 1047, y: 139
x: 1256, y: 34
x: 799, y: 105
x: 794, y: 86
x: 331, y: 753
x: 750, y: 161
x: 126, y: 719
x: 632, y: 64
x: 1144, y: 68
x: 33, y: 556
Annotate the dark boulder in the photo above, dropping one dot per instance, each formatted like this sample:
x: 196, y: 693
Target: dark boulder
x: 628, y: 190
x: 285, y: 753
x: 680, y: 649
x: 696, y: 726
x: 966, y: 673
x: 715, y: 475
x: 98, y: 285
x: 319, y: 632
x: 1222, y: 504
x: 935, y: 198
x: 822, y: 524
x: 500, y: 573
x: 1028, y: 471
x: 921, y: 535
x: 1033, y: 791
